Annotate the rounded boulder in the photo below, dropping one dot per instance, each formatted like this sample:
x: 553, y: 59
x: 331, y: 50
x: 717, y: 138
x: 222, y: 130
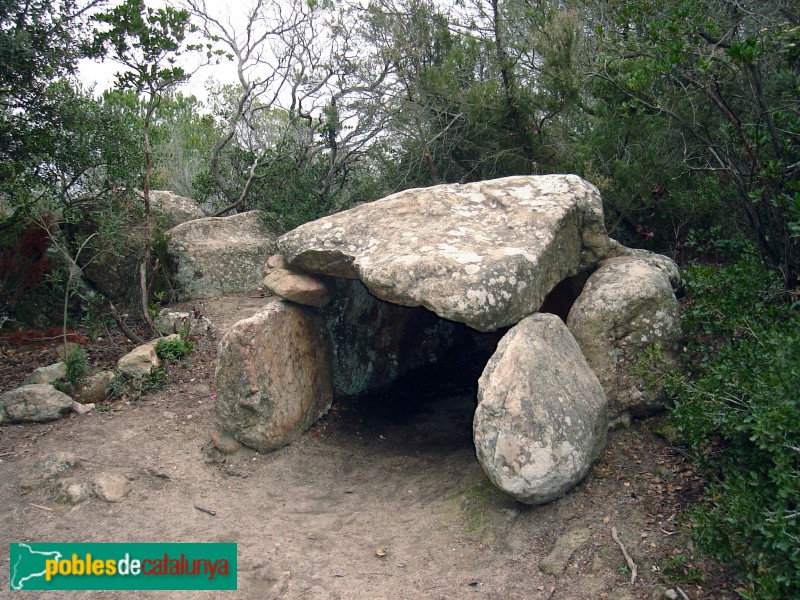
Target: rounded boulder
x: 542, y: 414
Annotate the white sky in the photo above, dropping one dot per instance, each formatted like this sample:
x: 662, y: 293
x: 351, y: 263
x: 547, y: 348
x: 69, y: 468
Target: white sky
x: 100, y: 75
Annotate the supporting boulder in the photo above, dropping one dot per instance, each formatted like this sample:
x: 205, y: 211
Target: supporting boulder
x: 627, y: 305
x: 274, y: 376
x: 542, y: 415
x: 375, y: 342
x: 220, y: 255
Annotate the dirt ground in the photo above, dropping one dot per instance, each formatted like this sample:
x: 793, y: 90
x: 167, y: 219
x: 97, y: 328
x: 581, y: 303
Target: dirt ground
x: 382, y: 499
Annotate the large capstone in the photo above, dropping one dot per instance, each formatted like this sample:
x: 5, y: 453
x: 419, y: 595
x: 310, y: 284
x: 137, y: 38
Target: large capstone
x: 542, y: 414
x: 215, y: 256
x: 626, y: 306
x: 274, y: 376
x: 485, y: 254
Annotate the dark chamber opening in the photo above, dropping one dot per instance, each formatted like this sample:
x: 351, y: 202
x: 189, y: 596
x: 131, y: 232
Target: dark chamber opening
x: 431, y: 405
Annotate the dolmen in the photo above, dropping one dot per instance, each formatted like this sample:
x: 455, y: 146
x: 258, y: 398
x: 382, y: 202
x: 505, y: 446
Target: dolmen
x: 371, y: 293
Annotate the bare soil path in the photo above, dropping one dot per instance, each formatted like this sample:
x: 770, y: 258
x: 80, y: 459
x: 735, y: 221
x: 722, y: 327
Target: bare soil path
x: 375, y: 502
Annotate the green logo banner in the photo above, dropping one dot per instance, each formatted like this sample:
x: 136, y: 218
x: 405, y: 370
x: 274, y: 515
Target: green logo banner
x: 120, y: 566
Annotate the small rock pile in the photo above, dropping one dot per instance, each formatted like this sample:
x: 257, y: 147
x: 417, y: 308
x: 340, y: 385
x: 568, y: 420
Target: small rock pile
x: 45, y: 395
x: 63, y: 473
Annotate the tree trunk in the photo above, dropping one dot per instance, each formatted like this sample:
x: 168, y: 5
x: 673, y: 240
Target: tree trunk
x: 148, y: 222
x: 515, y: 118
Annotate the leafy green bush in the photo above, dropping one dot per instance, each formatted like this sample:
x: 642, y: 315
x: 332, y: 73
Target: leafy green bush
x: 171, y: 349
x: 77, y: 366
x: 738, y: 407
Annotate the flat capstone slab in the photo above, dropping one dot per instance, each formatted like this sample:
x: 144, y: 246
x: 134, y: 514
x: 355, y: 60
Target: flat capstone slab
x: 485, y: 254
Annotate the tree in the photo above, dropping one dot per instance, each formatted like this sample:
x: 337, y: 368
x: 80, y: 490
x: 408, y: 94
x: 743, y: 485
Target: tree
x: 724, y: 78
x: 146, y: 43
x: 40, y: 42
x: 437, y: 101
x: 272, y: 49
x: 70, y: 186
x: 182, y: 138
x: 306, y: 104
x: 483, y: 90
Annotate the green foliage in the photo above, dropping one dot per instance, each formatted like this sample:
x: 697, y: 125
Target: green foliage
x: 174, y: 348
x: 183, y: 137
x: 679, y: 569
x: 71, y: 190
x: 718, y: 81
x: 163, y: 291
x: 146, y: 41
x: 77, y: 366
x: 738, y: 408
x: 76, y: 161
x: 39, y: 42
x: 157, y: 380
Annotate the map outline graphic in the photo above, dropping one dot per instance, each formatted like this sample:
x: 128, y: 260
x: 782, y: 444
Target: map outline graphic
x: 13, y: 574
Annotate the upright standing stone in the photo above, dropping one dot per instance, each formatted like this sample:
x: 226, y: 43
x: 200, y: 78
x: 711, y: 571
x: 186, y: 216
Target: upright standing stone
x: 626, y: 306
x: 542, y: 415
x: 375, y: 342
x: 274, y: 376
x: 220, y: 255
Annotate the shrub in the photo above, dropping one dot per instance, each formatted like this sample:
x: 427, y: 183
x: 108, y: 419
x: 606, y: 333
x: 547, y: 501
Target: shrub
x: 738, y: 407
x: 77, y: 366
x: 171, y: 349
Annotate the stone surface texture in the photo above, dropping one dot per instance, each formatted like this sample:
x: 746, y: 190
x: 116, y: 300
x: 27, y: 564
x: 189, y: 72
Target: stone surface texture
x: 555, y: 563
x: 170, y: 321
x: 48, y: 374
x: 73, y: 492
x: 175, y: 209
x: 220, y: 255
x: 139, y: 362
x: 94, y: 390
x: 627, y: 305
x: 111, y: 487
x: 292, y: 285
x: 274, y: 376
x: 375, y: 342
x: 485, y: 254
x: 36, y: 403
x: 49, y: 469
x: 659, y: 261
x: 542, y: 415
